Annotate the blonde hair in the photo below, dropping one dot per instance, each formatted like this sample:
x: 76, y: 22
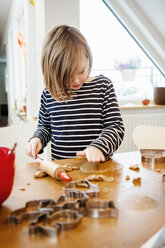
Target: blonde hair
x: 62, y: 50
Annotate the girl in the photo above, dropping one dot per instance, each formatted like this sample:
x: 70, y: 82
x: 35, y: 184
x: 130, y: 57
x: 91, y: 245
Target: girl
x: 78, y: 113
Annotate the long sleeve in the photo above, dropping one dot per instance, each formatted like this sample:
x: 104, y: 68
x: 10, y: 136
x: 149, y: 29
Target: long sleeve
x: 113, y: 129
x: 91, y: 117
x: 44, y: 125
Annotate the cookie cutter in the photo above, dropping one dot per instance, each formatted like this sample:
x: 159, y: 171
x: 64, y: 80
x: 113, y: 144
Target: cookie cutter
x: 31, y: 210
x: 100, y: 209
x: 163, y: 178
x: 78, y: 204
x: 51, y: 225
x: 73, y: 218
x: 93, y: 190
x: 73, y: 194
x: 152, y: 156
x: 49, y: 216
x: 20, y: 214
x: 39, y: 225
x: 41, y: 203
x: 68, y: 203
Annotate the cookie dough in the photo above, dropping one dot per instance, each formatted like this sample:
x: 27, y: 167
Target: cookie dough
x: 100, y: 178
x: 79, y: 183
x: 134, y: 167
x: 101, y: 167
x: 136, y: 180
x: 40, y: 174
x: 69, y: 167
x: 127, y: 177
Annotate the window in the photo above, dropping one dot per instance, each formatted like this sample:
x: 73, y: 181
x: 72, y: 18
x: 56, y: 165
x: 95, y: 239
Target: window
x: 113, y: 49
x: 17, y: 63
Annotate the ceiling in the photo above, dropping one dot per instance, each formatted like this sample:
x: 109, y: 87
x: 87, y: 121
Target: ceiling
x: 145, y: 22
x: 155, y: 12
x: 5, y: 6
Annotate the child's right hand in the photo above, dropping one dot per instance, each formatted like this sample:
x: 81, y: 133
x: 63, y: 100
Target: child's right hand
x: 33, y: 147
x: 92, y: 153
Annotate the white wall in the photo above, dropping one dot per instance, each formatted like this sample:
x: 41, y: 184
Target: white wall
x: 47, y: 13
x: 61, y: 12
x: 38, y: 20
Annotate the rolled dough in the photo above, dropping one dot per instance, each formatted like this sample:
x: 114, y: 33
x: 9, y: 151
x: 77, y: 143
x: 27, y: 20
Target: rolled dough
x: 110, y: 165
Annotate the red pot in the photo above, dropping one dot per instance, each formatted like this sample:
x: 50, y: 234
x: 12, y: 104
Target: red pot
x: 7, y: 170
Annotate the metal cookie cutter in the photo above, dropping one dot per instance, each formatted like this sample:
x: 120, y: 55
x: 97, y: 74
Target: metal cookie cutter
x: 67, y: 202
x: 152, y: 156
x: 66, y: 219
x: 92, y: 191
x: 72, y: 199
x: 40, y: 226
x: 74, y: 194
x: 100, y: 209
x: 31, y: 210
x: 60, y: 220
x: 163, y: 178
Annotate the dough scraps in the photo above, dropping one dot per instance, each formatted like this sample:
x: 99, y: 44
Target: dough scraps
x: 127, y: 177
x: 22, y: 189
x: 136, y: 180
x: 69, y: 167
x: 79, y: 183
x: 100, y: 178
x: 40, y: 174
x: 134, y: 167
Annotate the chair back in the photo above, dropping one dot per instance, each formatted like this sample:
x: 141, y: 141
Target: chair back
x: 149, y: 137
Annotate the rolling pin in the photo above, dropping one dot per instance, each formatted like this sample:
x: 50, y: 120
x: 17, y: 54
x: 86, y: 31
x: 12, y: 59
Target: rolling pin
x: 54, y: 170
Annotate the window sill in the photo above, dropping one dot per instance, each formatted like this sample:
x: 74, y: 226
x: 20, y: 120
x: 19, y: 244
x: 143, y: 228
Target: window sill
x: 136, y: 109
x: 140, y: 106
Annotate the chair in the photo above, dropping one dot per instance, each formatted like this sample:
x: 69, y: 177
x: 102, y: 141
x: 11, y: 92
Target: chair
x: 149, y: 137
x: 20, y: 134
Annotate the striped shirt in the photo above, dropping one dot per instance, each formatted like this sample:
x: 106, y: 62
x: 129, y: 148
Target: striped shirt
x: 91, y: 117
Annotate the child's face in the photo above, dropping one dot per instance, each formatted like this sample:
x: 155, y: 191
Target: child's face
x: 81, y: 75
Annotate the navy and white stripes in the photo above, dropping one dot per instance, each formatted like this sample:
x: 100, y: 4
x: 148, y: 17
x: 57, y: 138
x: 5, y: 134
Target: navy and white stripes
x: 92, y: 117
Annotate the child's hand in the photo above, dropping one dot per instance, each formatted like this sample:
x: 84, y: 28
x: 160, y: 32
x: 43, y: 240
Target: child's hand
x: 33, y: 147
x: 92, y: 153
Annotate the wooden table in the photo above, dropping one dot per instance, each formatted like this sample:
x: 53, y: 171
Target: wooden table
x: 141, y: 208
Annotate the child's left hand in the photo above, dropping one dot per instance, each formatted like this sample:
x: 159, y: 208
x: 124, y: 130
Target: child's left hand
x: 92, y: 153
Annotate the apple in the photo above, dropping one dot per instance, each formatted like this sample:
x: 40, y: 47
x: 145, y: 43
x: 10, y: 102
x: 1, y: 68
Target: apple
x: 7, y: 171
x: 145, y: 101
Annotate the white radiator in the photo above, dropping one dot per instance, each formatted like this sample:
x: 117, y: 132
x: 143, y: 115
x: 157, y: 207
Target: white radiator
x: 132, y: 121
